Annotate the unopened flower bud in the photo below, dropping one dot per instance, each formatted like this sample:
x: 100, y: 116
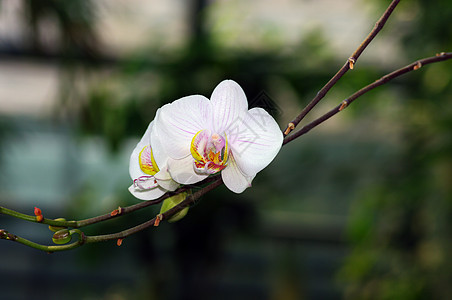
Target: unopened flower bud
x: 172, y: 202
x: 61, y: 237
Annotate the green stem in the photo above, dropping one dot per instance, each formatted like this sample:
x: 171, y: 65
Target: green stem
x: 14, y: 238
x: 83, y: 239
x: 97, y: 219
x: 30, y: 218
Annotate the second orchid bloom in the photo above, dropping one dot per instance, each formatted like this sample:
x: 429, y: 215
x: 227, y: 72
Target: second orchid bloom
x: 194, y: 137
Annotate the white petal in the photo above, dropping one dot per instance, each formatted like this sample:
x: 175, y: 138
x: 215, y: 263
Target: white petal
x: 182, y: 171
x: 229, y: 105
x: 177, y: 123
x: 234, y: 179
x: 255, y: 141
x: 147, y: 194
x: 134, y: 165
x: 158, y: 151
x: 165, y: 181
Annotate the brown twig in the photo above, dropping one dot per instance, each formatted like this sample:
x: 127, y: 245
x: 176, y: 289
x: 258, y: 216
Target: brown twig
x: 187, y: 202
x: 397, y: 73
x: 349, y: 64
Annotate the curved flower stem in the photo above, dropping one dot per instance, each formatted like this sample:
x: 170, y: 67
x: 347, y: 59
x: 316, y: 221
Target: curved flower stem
x: 82, y: 223
x: 30, y: 218
x: 129, y: 209
x: 349, y: 64
x: 15, y: 238
x: 187, y: 202
x: 120, y: 212
x: 411, y: 67
x: 84, y: 239
x: 143, y: 204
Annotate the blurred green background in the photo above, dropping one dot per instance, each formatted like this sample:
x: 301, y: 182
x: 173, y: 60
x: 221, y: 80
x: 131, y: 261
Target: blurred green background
x: 359, y: 208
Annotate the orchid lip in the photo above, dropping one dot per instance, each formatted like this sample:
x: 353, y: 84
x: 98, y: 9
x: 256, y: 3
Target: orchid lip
x: 209, y: 151
x: 144, y: 183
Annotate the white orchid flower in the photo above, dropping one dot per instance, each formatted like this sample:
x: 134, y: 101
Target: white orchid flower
x: 201, y: 137
x: 149, y: 174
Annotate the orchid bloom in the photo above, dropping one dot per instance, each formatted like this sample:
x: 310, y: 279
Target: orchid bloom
x: 149, y: 174
x: 200, y: 137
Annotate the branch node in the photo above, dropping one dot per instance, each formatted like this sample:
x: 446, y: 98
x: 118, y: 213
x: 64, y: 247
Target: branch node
x: 344, y: 104
x: 289, y: 128
x: 158, y: 218
x: 351, y: 62
x: 441, y: 54
x: 116, y: 212
x: 7, y: 236
x: 417, y: 66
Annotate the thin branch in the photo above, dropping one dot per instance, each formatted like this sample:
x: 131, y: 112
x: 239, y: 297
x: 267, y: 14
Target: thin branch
x: 15, y: 214
x: 119, y: 212
x: 81, y: 223
x: 84, y: 239
x: 5, y: 235
x: 187, y: 202
x: 349, y: 64
x: 125, y: 210
x: 397, y: 73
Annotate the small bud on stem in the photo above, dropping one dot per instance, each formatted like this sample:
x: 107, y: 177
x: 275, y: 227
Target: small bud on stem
x: 38, y: 214
x: 343, y: 105
x: 290, y: 127
x: 351, y: 63
x: 158, y: 218
x: 417, y: 66
x: 62, y: 237
x: 116, y: 212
